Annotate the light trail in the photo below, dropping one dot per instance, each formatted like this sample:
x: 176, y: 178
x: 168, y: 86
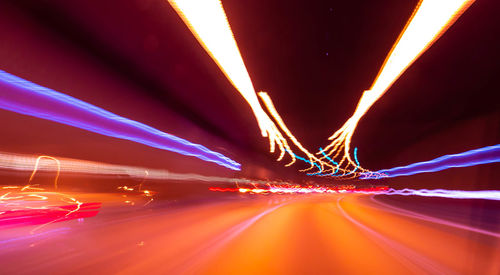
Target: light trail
x: 485, y: 155
x: 23, y: 162
x: 429, y: 21
x: 208, y: 22
x: 325, y: 169
x: 27, y: 205
x: 420, y: 216
x: 298, y: 189
x: 32, y: 205
x: 24, y: 97
x: 37, y: 163
x: 380, y: 190
x: 414, y: 261
x: 441, y: 193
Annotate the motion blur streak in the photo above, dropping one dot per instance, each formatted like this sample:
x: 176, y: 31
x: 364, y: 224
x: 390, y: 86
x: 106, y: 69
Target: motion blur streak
x: 24, y: 97
x: 10, y: 161
x: 430, y: 19
x: 489, y: 154
x: 412, y: 260
x: 272, y: 234
x: 412, y: 214
x: 222, y: 240
x: 208, y: 22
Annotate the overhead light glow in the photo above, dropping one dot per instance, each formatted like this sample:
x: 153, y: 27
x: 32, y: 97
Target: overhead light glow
x: 208, y: 22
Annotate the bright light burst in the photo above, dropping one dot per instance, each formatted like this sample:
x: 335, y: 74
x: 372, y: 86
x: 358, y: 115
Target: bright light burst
x: 430, y: 19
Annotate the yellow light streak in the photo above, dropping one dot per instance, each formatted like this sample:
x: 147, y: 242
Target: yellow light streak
x: 208, y: 22
x: 37, y: 163
x: 430, y: 19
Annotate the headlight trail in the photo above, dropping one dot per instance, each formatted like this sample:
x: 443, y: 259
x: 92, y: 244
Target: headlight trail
x: 489, y: 154
x: 24, y: 97
x: 429, y: 21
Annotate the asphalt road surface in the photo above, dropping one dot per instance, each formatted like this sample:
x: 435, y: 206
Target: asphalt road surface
x: 280, y: 234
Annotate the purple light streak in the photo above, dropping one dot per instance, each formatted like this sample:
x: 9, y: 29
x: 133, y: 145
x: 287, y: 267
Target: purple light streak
x: 441, y: 193
x: 24, y: 97
x: 489, y: 154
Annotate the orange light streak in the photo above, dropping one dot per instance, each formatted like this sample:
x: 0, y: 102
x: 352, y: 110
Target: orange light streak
x: 430, y: 19
x: 37, y: 162
x: 276, y: 116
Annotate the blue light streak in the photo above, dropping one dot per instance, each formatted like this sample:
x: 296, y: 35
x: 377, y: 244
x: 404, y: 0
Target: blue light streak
x: 307, y: 161
x: 24, y: 97
x: 489, y: 154
x: 356, y: 160
x: 331, y: 160
x: 342, y: 175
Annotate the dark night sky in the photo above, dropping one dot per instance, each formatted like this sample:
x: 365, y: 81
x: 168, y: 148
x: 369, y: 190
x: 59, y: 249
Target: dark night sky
x: 314, y: 59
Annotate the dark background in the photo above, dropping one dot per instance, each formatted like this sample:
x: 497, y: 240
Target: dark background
x: 137, y: 58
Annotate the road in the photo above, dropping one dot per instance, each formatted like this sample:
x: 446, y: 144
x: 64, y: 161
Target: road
x: 313, y: 234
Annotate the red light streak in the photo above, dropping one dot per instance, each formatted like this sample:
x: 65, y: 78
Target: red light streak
x: 24, y: 205
x: 30, y: 205
x: 298, y: 189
